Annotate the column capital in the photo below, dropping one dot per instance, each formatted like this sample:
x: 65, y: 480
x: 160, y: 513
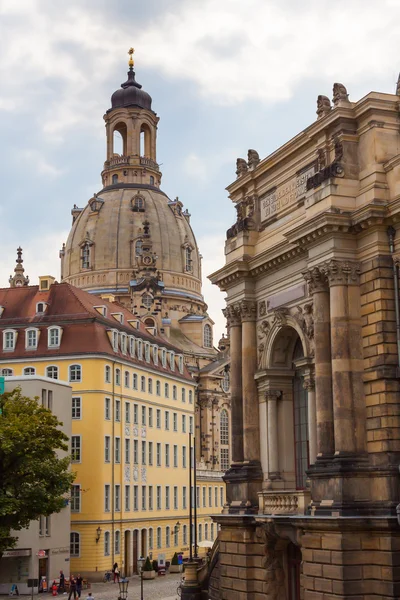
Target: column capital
x: 232, y: 314
x: 248, y: 310
x: 316, y: 279
x: 309, y: 384
x: 342, y: 272
x: 273, y: 394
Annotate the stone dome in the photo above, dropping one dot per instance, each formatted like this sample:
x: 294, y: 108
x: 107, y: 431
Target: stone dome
x: 131, y: 94
x: 113, y: 223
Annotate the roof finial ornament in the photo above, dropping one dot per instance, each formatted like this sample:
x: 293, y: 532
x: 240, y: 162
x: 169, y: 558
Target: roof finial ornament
x: 19, y: 279
x: 131, y: 62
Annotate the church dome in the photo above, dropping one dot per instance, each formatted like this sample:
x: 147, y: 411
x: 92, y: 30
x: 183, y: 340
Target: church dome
x: 131, y: 94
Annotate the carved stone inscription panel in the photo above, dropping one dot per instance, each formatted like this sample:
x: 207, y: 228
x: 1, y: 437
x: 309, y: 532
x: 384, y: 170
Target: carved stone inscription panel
x: 285, y: 195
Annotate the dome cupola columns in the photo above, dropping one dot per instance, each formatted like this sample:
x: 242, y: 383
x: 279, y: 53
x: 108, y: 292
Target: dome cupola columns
x: 131, y: 130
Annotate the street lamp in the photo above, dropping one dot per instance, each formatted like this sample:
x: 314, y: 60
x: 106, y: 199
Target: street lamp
x: 140, y: 565
x: 123, y: 588
x: 98, y: 534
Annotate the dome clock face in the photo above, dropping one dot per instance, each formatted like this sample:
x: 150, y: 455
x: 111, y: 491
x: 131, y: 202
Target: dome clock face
x: 147, y: 260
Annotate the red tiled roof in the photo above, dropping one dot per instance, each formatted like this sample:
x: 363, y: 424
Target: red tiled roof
x: 84, y: 328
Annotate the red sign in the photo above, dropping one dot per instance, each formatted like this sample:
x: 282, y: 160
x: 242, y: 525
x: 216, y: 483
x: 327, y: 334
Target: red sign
x: 41, y: 553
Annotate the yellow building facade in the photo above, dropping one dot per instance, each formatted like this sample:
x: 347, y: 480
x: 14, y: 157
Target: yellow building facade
x: 133, y: 406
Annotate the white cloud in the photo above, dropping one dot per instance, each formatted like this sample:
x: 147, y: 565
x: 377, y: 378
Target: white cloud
x: 195, y: 167
x: 38, y: 163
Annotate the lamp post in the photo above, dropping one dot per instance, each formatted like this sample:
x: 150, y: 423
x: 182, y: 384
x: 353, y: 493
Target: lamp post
x: 140, y: 565
x: 123, y: 588
x: 98, y: 534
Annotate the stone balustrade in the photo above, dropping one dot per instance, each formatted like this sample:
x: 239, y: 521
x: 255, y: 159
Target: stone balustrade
x: 285, y: 502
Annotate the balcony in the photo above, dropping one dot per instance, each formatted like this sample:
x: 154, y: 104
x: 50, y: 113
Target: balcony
x: 118, y: 160
x: 148, y: 162
x: 273, y: 502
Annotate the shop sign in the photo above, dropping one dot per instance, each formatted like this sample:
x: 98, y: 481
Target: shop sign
x: 12, y: 553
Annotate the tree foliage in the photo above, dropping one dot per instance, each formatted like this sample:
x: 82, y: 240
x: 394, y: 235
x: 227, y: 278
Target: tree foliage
x: 34, y: 471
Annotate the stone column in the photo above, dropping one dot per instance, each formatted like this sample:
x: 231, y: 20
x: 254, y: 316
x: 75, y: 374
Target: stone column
x: 232, y: 314
x: 251, y: 422
x: 273, y: 451
x: 347, y: 358
x: 318, y: 287
x: 309, y: 385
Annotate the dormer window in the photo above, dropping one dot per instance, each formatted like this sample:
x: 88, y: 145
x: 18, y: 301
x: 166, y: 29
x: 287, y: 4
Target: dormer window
x: 102, y: 310
x: 31, y: 339
x: 164, y: 357
x: 118, y: 317
x: 9, y: 340
x: 41, y: 308
x: 155, y: 355
x: 172, y: 361
x: 147, y: 351
x: 132, y: 346
x: 180, y: 363
x: 115, y: 340
x: 123, y: 343
x: 140, y: 349
x: 54, y: 337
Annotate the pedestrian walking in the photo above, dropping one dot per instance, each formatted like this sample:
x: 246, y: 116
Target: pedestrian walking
x: 115, y: 571
x: 61, y: 585
x: 72, y: 587
x: 79, y: 582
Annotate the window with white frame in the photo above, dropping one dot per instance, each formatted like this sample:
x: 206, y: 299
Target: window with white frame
x: 143, y: 383
x: 175, y: 421
x: 147, y: 351
x: 123, y: 343
x: 107, y: 374
x: 75, y: 373
x: 118, y: 410
x: 183, y: 423
x: 206, y: 531
x: 224, y: 427
x: 127, y: 451
x: 159, y: 540
x: 75, y: 498
x: 106, y: 543
x: 143, y: 452
x: 158, y: 454
x: 117, y: 498
x: 117, y: 377
x: 190, y: 424
x: 216, y: 496
x: 117, y: 542
x: 184, y: 457
x: 158, y: 418
x: 150, y: 497
x: 126, y: 379
x: 76, y: 407
x: 183, y: 395
x: 188, y: 259
x: 207, y: 336
x: 164, y: 357
x: 167, y: 497
x: 31, y: 339
x: 224, y: 459
x: 144, y: 497
x: 132, y: 346
x: 174, y: 392
x: 175, y: 497
x: 140, y: 349
x: 6, y: 372
x: 29, y: 371
x: 200, y: 533
x: 150, y: 454
x: 166, y: 420
x: 150, y: 417
x: 75, y: 544
x: 167, y: 455
x: 159, y: 497
x: 212, y: 532
x: 107, y: 408
x: 143, y: 415
x: 54, y: 337
x: 127, y: 412
x: 167, y: 537
x: 115, y: 340
x: 172, y: 361
x: 221, y: 496
x: 210, y: 496
x: 107, y: 448
x: 150, y: 385
x: 136, y: 414
x: 40, y: 307
x: 135, y: 497
x: 158, y: 388
x: 204, y: 497
x: 184, y: 535
x: 155, y: 355
x: 135, y: 381
x: 226, y: 381
x: 107, y: 500
x: 76, y: 453
x: 190, y: 397
x: 184, y: 498
x: 9, y: 339
x: 151, y: 542
x: 135, y: 452
x: 52, y: 372
x: 166, y: 390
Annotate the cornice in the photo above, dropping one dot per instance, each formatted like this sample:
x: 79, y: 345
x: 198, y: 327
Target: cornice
x: 229, y: 274
x: 318, y: 227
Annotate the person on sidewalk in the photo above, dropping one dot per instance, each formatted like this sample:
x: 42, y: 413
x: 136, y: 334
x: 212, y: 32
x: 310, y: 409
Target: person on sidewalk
x: 72, y: 587
x: 79, y: 583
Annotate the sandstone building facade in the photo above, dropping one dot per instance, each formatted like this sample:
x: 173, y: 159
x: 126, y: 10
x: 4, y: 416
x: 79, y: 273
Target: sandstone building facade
x: 311, y: 277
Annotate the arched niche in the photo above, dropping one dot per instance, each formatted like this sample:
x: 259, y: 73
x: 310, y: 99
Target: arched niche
x: 120, y: 139
x: 145, y: 141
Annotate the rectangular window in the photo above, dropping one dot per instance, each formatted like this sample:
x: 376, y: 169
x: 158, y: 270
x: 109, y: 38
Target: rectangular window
x: 221, y: 496
x: 183, y: 423
x: 175, y: 497
x: 31, y: 339
x: 126, y: 379
x: 107, y: 374
x: 118, y: 410
x: 107, y: 498
x: 158, y: 419
x: 216, y: 496
x: 198, y: 497
x: 166, y: 420
x: 135, y: 452
x: 107, y: 448
x: 75, y: 498
x: 127, y: 412
x: 135, y: 497
x: 184, y: 499
x: 150, y: 454
x: 76, y: 408
x: 135, y: 414
x: 134, y: 382
x: 167, y: 497
x: 150, y: 417
x: 159, y: 497
x: 150, y: 385
x: 150, y: 497
x: 204, y: 497
x: 76, y: 453
x: 224, y: 459
x: 127, y: 451
x: 167, y: 455
x: 50, y: 399
x: 117, y: 498
x: 183, y: 395
x: 184, y: 457
x: 107, y: 408
x: 190, y: 424
x: 127, y: 498
x: 143, y: 497
x: 175, y: 455
x: 143, y: 383
x: 117, y: 450
x: 190, y: 397
x: 158, y: 537
x: 143, y: 415
x: 158, y: 388
x: 166, y: 390
x: 143, y: 453
x: 184, y: 535
x: 175, y: 421
x: 158, y: 454
x: 209, y: 496
x: 151, y: 542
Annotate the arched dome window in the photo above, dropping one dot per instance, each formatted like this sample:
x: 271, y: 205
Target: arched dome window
x: 226, y: 382
x: 115, y: 179
x: 188, y: 259
x: 224, y: 427
x: 207, y: 336
x: 147, y: 300
x: 85, y: 256
x: 139, y: 248
x: 138, y: 204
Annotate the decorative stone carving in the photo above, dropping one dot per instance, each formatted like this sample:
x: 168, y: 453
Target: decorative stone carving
x: 244, y: 217
x: 280, y: 316
x: 262, y: 308
x: 309, y: 384
x: 272, y: 394
x: 342, y: 272
x: 339, y: 93
x: 305, y: 318
x: 338, y: 146
x: 272, y: 562
x: 248, y: 310
x: 323, y: 106
x: 241, y: 167
x: 316, y: 280
x: 253, y: 158
x: 262, y: 334
x: 321, y: 159
x: 233, y: 315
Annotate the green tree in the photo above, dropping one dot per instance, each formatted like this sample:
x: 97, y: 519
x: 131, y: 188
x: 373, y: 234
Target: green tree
x: 34, y: 480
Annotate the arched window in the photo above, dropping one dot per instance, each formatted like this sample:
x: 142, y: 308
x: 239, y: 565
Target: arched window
x: 40, y: 307
x: 31, y: 339
x: 6, y: 372
x: 120, y: 139
x: 174, y: 392
x: 29, y: 371
x: 158, y: 387
x: 151, y: 180
x: 107, y: 543
x: 167, y: 537
x: 149, y: 322
x: 75, y: 373
x: 53, y: 337
x: 139, y: 202
x: 224, y: 427
x: 107, y: 374
x: 115, y: 179
x: 85, y: 256
x: 207, y: 336
x: 117, y: 377
x: 145, y: 141
x: 52, y: 372
x: 150, y: 385
x: 117, y: 542
x: 188, y: 259
x: 226, y: 381
x: 151, y: 538
x: 74, y: 538
x: 143, y: 383
x: 300, y: 408
x: 166, y: 390
x: 147, y: 300
x: 159, y: 541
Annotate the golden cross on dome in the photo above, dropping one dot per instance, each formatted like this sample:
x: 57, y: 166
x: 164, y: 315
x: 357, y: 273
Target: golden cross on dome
x: 131, y: 53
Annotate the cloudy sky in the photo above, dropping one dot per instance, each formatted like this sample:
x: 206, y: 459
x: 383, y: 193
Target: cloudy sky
x: 225, y: 76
